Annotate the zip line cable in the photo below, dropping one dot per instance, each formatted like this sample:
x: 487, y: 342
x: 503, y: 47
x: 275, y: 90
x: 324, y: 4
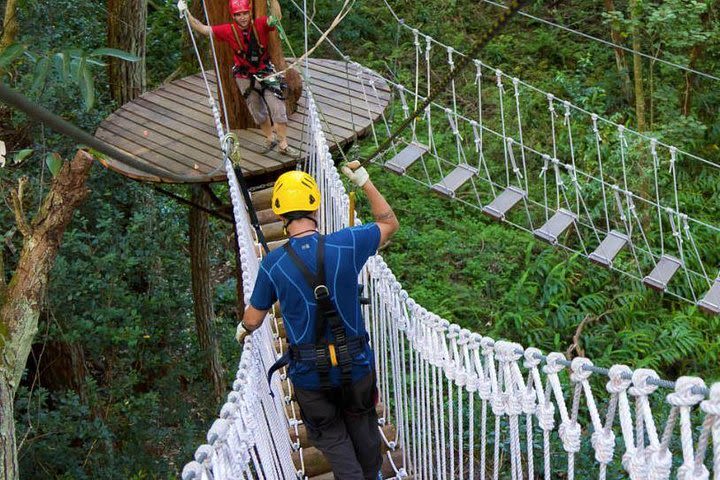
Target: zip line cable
x: 488, y: 35
x: 606, y: 42
x: 588, y: 36
x: 50, y: 120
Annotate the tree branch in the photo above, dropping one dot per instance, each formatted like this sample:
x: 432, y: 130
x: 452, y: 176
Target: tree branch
x: 16, y: 197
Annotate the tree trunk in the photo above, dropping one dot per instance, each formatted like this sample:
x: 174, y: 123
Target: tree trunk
x: 8, y: 454
x: 202, y: 293
x: 10, y: 25
x: 620, y: 61
x: 635, y: 12
x: 275, y: 48
x: 127, y: 26
x: 24, y: 296
x: 694, y: 56
x: 240, y: 117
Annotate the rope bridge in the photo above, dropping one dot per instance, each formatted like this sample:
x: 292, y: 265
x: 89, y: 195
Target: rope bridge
x: 466, y: 406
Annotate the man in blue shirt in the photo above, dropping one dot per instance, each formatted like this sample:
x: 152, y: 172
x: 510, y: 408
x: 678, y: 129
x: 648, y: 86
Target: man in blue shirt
x: 331, y: 363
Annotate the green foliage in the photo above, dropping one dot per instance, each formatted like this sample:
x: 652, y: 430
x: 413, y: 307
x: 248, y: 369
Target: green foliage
x: 120, y: 287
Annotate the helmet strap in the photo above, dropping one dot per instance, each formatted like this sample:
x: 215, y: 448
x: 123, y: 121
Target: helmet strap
x: 289, y: 217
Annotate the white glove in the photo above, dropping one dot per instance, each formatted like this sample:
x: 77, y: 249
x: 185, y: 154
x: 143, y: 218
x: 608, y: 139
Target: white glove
x: 357, y: 174
x: 241, y: 331
x: 182, y: 8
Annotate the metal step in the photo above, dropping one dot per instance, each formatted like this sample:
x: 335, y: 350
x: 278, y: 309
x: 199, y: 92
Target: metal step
x: 450, y: 184
x: 554, y: 227
x: 710, y: 303
x: 659, y: 278
x: 407, y: 156
x: 504, y: 202
x: 609, y: 248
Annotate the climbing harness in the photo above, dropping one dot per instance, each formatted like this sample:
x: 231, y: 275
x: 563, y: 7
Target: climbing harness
x: 251, y: 51
x: 323, y: 353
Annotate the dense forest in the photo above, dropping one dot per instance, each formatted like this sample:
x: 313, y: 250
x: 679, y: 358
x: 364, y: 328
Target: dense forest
x: 117, y: 383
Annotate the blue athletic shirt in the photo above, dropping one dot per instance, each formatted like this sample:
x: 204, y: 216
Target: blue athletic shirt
x: 346, y: 251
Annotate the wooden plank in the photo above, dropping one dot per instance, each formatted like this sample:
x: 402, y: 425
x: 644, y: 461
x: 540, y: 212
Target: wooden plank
x: 350, y: 86
x: 337, y: 70
x: 169, y: 159
x: 127, y: 170
x: 329, y: 92
x: 161, y: 115
x: 138, y: 146
x: 159, y: 135
x: 340, y: 117
x: 157, y: 159
x: 173, y: 128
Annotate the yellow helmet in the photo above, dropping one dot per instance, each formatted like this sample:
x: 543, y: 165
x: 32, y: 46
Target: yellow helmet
x: 295, y: 191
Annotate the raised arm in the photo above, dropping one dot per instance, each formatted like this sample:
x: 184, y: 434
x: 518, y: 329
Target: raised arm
x: 196, y: 24
x: 275, y: 10
x: 385, y: 218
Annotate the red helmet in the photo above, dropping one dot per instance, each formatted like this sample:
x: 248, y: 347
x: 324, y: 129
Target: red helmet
x: 239, y: 6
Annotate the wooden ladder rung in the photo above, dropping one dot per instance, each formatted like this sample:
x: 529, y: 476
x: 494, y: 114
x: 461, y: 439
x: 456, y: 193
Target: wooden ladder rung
x: 502, y: 204
x: 454, y: 180
x: 407, y: 156
x: 663, y: 272
x: 609, y: 248
x: 710, y: 303
x: 553, y: 228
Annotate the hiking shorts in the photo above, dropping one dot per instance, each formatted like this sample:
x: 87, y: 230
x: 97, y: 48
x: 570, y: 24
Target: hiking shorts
x: 260, y: 108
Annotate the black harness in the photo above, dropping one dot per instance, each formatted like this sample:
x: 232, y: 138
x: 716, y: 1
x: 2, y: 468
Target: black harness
x: 255, y: 54
x: 255, y: 51
x: 323, y: 353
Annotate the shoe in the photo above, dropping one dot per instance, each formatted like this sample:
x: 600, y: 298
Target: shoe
x: 270, y: 146
x: 289, y: 151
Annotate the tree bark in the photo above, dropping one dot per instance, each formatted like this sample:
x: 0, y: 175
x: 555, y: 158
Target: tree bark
x: 127, y: 26
x: 637, y: 66
x: 690, y: 77
x: 202, y: 293
x: 239, y: 115
x: 10, y: 25
x: 21, y: 305
x: 620, y: 61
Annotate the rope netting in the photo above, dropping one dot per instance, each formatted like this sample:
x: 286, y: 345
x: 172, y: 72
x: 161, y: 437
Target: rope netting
x: 466, y: 406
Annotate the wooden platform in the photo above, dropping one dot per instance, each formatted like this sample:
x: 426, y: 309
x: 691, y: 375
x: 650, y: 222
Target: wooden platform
x: 172, y: 127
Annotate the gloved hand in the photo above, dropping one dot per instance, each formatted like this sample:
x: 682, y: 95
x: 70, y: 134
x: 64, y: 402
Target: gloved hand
x: 241, y: 331
x: 182, y: 8
x: 272, y: 21
x: 356, y: 173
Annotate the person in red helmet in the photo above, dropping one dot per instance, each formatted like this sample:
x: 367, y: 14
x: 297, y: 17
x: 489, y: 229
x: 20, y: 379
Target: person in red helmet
x: 248, y: 39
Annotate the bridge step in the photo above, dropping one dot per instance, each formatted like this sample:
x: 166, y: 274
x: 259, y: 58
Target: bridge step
x: 502, y: 204
x: 266, y: 215
x: 273, y: 231
x: 388, y: 430
x: 663, y: 272
x: 609, y: 248
x: 710, y: 303
x: 317, y: 468
x: 407, y: 156
x: 261, y: 199
x: 553, y: 228
x: 450, y: 184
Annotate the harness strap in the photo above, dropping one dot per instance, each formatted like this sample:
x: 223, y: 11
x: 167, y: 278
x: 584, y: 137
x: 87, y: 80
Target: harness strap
x: 326, y: 313
x: 254, y: 42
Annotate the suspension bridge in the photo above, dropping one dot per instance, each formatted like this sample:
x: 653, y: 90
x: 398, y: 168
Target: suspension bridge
x: 455, y: 404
